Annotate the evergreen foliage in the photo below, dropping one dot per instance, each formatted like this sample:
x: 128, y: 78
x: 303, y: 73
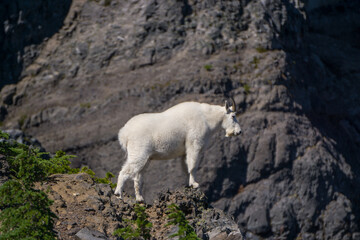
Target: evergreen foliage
x: 106, y: 179
x: 143, y: 226
x: 177, y: 217
x: 24, y: 211
x: 30, y: 165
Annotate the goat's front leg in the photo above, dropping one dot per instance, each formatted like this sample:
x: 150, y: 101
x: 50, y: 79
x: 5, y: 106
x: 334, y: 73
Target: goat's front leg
x: 192, y: 155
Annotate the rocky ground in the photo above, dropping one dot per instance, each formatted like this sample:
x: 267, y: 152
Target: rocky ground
x: 292, y: 67
x: 85, y: 208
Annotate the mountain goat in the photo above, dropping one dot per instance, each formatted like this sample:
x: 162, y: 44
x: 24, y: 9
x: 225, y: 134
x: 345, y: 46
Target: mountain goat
x: 182, y: 130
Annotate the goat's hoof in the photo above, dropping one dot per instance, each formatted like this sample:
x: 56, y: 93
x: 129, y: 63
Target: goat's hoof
x: 195, y: 185
x: 140, y: 200
x: 118, y: 194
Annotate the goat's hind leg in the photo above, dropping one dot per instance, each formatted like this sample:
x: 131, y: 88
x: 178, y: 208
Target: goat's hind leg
x: 124, y: 175
x: 132, y: 169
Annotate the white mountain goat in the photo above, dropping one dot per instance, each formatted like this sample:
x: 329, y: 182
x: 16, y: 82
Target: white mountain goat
x: 182, y: 130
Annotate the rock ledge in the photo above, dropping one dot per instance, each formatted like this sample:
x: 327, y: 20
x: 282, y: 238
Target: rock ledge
x: 88, y: 210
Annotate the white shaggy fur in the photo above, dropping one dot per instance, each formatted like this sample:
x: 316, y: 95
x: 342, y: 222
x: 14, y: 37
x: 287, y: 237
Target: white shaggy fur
x: 182, y: 130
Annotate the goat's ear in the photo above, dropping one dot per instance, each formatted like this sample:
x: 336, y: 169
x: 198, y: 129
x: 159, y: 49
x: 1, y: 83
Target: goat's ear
x: 227, y: 106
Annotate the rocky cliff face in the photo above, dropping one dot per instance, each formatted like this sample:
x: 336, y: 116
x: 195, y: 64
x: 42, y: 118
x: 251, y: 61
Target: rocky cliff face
x: 292, y: 67
x: 25, y: 25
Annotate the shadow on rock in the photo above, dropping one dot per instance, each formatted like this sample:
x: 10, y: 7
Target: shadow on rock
x: 26, y: 25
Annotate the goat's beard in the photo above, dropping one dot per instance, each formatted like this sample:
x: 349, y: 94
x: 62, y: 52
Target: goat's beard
x: 229, y: 134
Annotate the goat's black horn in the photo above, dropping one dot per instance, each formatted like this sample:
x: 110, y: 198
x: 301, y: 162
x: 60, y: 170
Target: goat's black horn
x: 233, y: 106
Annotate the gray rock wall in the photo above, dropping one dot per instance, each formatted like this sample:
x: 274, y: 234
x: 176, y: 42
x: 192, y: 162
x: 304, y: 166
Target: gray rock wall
x: 24, y: 26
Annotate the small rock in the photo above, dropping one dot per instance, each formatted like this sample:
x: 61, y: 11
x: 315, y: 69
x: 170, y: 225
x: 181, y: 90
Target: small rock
x: 108, y: 211
x: 7, y: 94
x: 22, y: 138
x: 95, y: 203
x: 83, y: 177
x: 216, y: 234
x: 90, y: 234
x: 104, y: 189
x: 235, y: 236
x: 90, y: 209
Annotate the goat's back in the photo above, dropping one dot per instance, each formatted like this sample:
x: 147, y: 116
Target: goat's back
x: 175, y: 122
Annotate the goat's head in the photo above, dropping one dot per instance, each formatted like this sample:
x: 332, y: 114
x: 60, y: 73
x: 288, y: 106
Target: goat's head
x: 230, y: 123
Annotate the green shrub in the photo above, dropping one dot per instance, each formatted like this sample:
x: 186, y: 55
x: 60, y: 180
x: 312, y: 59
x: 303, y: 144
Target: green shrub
x: 177, y: 217
x: 106, y: 179
x: 85, y: 105
x: 24, y: 211
x: 29, y: 164
x: 261, y: 49
x: 208, y: 67
x: 143, y: 226
x: 246, y: 88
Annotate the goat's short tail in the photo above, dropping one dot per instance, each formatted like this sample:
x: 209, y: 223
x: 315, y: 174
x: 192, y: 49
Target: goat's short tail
x: 123, y: 139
